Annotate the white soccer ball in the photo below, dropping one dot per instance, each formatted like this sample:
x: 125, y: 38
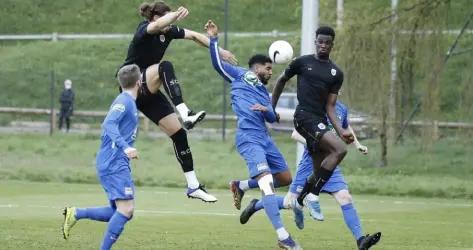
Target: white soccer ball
x: 280, y: 52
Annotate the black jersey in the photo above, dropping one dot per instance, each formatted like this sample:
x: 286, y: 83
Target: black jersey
x: 316, y: 79
x: 147, y: 49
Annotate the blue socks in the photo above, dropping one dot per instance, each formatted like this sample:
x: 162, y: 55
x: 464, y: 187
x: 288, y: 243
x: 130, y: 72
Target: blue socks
x: 352, y: 220
x: 114, y: 229
x: 280, y: 199
x: 253, y: 183
x: 270, y: 203
x: 95, y: 213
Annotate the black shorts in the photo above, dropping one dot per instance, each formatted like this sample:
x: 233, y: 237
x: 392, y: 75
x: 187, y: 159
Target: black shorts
x: 154, y: 106
x: 312, y: 127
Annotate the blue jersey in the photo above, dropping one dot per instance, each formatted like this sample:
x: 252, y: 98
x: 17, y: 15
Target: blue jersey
x: 118, y: 133
x: 342, y: 114
x: 246, y: 91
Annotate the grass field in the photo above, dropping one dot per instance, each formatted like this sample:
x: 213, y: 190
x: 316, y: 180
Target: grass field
x: 165, y: 219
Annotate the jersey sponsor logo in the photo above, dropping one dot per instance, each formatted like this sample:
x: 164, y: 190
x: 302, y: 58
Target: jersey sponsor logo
x: 321, y: 126
x: 118, y: 107
x: 333, y: 71
x: 251, y: 78
x: 262, y: 166
x: 128, y: 191
x: 162, y: 38
x: 309, y: 68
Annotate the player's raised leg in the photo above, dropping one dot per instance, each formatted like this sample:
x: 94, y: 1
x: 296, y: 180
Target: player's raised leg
x: 171, y: 126
x: 116, y: 224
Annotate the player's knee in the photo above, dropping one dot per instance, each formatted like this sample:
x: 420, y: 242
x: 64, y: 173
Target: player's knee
x: 266, y: 185
x: 165, y: 67
x: 343, y: 197
x: 127, y: 209
x: 340, y: 152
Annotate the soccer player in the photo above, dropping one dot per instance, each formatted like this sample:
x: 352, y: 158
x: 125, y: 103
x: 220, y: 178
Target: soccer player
x: 318, y: 83
x: 113, y: 162
x: 336, y: 186
x: 252, y: 105
x: 150, y: 41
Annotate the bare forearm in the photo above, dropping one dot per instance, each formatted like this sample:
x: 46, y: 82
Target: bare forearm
x: 162, y: 22
x: 281, y: 82
x: 355, y: 139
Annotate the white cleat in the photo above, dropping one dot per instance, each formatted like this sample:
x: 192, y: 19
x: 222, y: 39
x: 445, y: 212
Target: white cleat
x: 192, y: 119
x: 201, y: 194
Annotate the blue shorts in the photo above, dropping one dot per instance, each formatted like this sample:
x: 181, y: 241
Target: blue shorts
x: 119, y: 185
x: 304, y: 170
x: 260, y: 153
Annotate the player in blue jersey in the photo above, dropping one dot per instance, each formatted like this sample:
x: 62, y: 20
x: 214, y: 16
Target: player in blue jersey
x: 252, y: 105
x: 336, y: 186
x: 113, y: 162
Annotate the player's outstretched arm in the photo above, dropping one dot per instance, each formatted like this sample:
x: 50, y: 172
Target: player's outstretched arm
x: 159, y: 24
x: 203, y: 40
x: 360, y: 147
x: 226, y: 70
x: 268, y: 112
x: 277, y: 91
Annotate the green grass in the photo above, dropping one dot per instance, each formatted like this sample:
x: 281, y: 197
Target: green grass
x: 30, y: 218
x: 443, y: 170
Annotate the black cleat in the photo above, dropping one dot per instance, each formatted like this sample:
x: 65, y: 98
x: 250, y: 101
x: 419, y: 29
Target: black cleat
x: 193, y: 118
x: 248, y: 212
x: 365, y: 242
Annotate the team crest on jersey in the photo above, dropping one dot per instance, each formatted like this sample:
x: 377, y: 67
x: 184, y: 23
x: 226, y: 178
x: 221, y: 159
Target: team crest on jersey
x: 333, y: 71
x: 162, y: 38
x: 119, y: 107
x: 251, y: 78
x: 321, y: 126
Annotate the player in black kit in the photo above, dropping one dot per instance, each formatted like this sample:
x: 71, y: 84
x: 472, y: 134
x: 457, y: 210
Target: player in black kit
x: 318, y: 83
x: 150, y: 41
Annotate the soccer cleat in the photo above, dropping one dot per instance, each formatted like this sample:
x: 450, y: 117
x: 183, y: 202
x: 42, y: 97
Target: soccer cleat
x: 69, y: 221
x: 365, y: 242
x: 289, y: 243
x: 314, y: 209
x: 200, y: 193
x: 298, y: 214
x: 237, y: 194
x: 248, y: 212
x: 193, y: 118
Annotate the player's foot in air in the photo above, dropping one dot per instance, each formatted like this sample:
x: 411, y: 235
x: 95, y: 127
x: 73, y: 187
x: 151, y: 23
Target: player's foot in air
x: 365, y: 242
x: 314, y: 209
x: 193, y: 118
x: 289, y: 243
x: 201, y: 194
x: 248, y: 212
x: 298, y: 214
x: 69, y: 221
x: 237, y: 194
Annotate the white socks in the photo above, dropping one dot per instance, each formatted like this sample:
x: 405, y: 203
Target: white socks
x: 183, y: 110
x: 191, y: 178
x: 244, y: 185
x: 282, y: 233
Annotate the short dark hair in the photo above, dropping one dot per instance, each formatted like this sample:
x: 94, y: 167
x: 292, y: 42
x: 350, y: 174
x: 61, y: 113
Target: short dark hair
x: 148, y: 10
x: 128, y: 75
x: 260, y: 59
x: 325, y: 30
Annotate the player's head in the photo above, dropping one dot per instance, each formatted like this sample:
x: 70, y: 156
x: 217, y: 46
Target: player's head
x: 67, y: 84
x: 324, y: 37
x: 262, y: 66
x: 155, y: 10
x: 129, y: 76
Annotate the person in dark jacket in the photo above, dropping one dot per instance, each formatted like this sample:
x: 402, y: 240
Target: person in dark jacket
x: 67, y: 105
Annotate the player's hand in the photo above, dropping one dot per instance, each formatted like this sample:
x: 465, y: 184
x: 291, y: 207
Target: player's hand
x: 347, y: 136
x: 131, y: 153
x: 228, y: 56
x: 181, y: 13
x: 362, y: 149
x: 259, y: 107
x: 211, y: 28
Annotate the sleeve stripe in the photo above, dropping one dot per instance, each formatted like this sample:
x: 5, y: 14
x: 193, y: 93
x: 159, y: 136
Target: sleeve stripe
x: 219, y: 63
